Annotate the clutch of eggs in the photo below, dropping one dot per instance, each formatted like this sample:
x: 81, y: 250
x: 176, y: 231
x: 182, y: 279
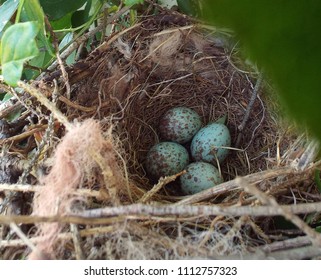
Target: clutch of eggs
x: 209, y: 147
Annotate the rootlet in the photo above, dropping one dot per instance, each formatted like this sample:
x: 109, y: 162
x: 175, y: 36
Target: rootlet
x: 114, y: 271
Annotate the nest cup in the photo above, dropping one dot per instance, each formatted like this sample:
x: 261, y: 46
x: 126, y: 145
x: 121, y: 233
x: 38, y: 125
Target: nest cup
x: 155, y: 66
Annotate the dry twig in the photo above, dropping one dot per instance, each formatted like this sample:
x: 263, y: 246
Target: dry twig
x: 140, y: 211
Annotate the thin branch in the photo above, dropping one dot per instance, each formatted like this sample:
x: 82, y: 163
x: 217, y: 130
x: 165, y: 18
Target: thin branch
x: 161, y: 183
x: 291, y: 254
x: 35, y: 188
x: 77, y: 244
x: 12, y: 243
x: 286, y: 213
x: 140, y: 211
x: 45, y: 102
x: 286, y: 244
x: 23, y: 237
x: 249, y: 108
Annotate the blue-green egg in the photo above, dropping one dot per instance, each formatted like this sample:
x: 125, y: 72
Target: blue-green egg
x: 166, y: 159
x: 199, y: 176
x: 179, y: 124
x: 211, y: 143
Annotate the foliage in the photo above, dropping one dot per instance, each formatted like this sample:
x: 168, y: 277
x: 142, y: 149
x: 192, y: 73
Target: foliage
x: 189, y: 7
x: 6, y: 11
x: 26, y: 37
x: 17, y: 46
x: 56, y: 9
x: 283, y: 36
x: 133, y: 2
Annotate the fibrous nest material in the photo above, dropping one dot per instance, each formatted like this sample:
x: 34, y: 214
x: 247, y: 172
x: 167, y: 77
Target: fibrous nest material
x: 151, y: 69
x: 100, y: 188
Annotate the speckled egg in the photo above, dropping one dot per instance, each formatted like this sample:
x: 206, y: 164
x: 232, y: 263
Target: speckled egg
x: 199, y: 176
x: 166, y: 159
x: 206, y: 143
x: 179, y: 124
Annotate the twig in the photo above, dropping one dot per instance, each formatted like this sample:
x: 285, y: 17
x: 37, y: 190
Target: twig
x: 49, y: 131
x: 23, y: 135
x: 23, y: 237
x: 62, y: 236
x: 35, y: 188
x: 76, y: 239
x: 286, y: 244
x: 249, y: 108
x: 200, y: 210
x: 161, y: 183
x: 59, y: 60
x: 286, y: 213
x: 296, y: 254
x: 44, y: 101
x: 140, y: 211
x: 291, y: 254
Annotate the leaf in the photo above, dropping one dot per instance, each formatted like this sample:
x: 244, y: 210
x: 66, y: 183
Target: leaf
x: 189, y: 7
x: 283, y: 36
x: 34, y: 12
x: 7, y: 9
x: 222, y: 120
x: 62, y: 23
x: 7, y: 97
x: 17, y: 46
x: 79, y: 18
x: 41, y: 61
x: 133, y: 2
x: 64, y: 42
x: 56, y: 9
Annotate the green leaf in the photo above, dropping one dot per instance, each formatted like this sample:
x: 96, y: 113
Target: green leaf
x: 64, y: 42
x: 79, y: 18
x: 41, y: 61
x: 7, y: 9
x: 34, y: 12
x: 189, y: 7
x: 62, y: 23
x: 222, y: 120
x: 7, y: 97
x: 56, y: 9
x: 17, y: 46
x: 283, y: 36
x: 133, y: 2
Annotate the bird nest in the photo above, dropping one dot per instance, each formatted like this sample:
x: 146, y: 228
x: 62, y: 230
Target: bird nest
x: 127, y: 84
x: 156, y: 66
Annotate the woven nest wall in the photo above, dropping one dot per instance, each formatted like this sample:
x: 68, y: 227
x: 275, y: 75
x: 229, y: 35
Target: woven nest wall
x: 160, y: 65
x: 127, y: 84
